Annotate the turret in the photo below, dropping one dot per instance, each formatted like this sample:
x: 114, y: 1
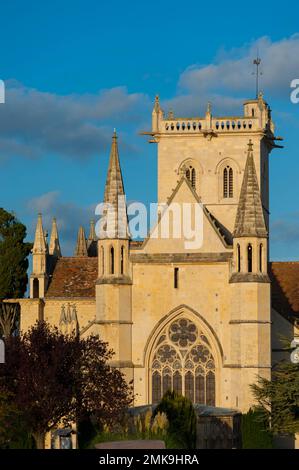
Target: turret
x: 54, y: 246
x: 250, y: 233
x: 157, y: 115
x: 113, y: 245
x: 92, y: 240
x: 250, y: 302
x: 39, y: 276
x: 209, y: 117
x: 114, y: 284
x: 258, y: 108
x: 81, y: 247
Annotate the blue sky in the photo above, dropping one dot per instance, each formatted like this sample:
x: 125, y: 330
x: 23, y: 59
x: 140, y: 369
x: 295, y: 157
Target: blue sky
x: 74, y: 70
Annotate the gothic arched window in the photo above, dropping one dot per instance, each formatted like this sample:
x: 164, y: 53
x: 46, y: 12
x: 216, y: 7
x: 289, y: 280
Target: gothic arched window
x: 112, y: 260
x: 249, y: 257
x: 183, y: 362
x: 122, y: 253
x: 261, y: 257
x: 102, y: 260
x: 190, y: 174
x: 228, y: 182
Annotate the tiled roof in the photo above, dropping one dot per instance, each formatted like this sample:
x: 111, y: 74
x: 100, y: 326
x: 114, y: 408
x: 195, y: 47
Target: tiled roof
x: 74, y: 277
x: 285, y: 288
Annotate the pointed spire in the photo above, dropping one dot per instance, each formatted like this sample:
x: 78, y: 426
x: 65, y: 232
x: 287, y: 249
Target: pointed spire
x: 117, y: 223
x: 250, y: 220
x: 68, y: 314
x: 40, y: 244
x: 157, y: 104
x: 209, y: 116
x: 54, y: 246
x: 157, y: 115
x: 63, y: 319
x: 114, y: 183
x: 81, y: 248
x: 92, y: 233
x: 74, y: 325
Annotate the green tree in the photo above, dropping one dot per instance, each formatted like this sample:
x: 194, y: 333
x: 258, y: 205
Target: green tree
x: 13, y: 431
x: 278, y: 398
x: 13, y: 256
x: 255, y: 432
x: 181, y: 417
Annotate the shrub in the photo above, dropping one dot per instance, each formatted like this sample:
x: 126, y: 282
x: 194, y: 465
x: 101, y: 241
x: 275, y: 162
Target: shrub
x: 181, y: 417
x: 254, y: 431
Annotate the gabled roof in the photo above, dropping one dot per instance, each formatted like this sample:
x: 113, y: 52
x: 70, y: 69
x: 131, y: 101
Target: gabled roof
x: 224, y: 235
x: 250, y: 217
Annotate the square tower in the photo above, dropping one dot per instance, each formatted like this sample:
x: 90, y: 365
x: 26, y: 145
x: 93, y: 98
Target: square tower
x: 211, y: 152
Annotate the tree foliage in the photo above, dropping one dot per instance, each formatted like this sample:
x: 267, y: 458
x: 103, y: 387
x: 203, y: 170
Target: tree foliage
x: 56, y: 379
x: 13, y: 256
x: 9, y: 317
x: 279, y: 398
x: 181, y: 417
x: 13, y: 430
x: 255, y: 432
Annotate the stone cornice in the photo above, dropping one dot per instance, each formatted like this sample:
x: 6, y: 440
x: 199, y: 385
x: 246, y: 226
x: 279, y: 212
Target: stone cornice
x: 249, y: 277
x: 159, y: 258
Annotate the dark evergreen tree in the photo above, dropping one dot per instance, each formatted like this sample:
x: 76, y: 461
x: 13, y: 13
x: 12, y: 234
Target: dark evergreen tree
x: 182, y: 419
x: 13, y: 256
x: 255, y: 431
x: 279, y: 398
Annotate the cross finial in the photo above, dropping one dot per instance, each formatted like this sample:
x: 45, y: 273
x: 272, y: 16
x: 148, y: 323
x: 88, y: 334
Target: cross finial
x: 250, y: 146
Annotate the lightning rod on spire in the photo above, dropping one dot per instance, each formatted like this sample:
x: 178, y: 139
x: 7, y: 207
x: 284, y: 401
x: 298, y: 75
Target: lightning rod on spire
x: 257, y: 73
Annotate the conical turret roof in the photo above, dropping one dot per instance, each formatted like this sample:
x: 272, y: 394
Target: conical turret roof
x: 250, y: 220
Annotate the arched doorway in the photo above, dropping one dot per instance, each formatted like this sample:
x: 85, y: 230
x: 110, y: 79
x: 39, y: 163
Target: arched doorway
x: 182, y: 360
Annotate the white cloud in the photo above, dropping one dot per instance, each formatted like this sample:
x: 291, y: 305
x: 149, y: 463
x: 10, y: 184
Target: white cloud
x: 69, y: 217
x: 34, y: 123
x: 229, y: 79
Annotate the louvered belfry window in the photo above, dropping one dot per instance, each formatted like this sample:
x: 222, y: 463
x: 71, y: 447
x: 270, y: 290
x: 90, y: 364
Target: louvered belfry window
x: 228, y: 182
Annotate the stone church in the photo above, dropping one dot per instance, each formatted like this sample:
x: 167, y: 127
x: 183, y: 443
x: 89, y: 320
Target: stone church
x: 206, y: 321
